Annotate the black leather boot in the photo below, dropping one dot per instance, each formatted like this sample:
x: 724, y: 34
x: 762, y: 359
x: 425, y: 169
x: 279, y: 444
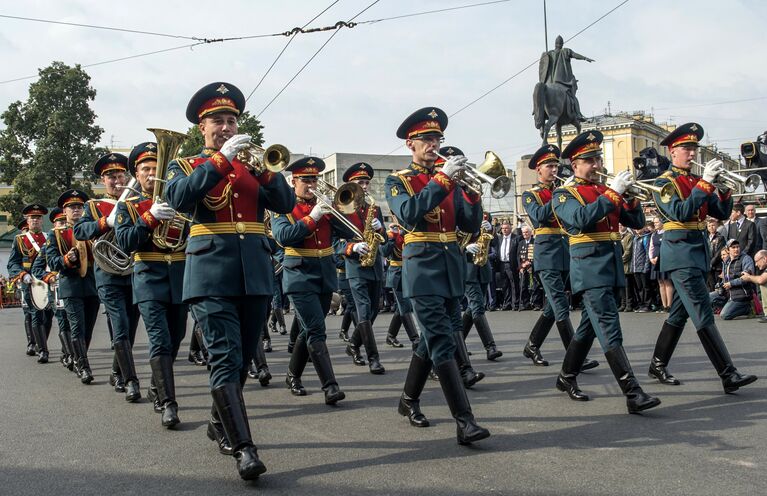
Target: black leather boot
x: 566, y: 333
x: 124, y: 355
x: 81, y: 361
x: 540, y: 330
x: 410, y: 401
x: 71, y: 359
x: 42, y: 343
x: 486, y: 336
x: 371, y: 347
x: 153, y: 396
x: 636, y: 399
x: 664, y: 348
x: 262, y: 368
x: 468, y: 374
x: 732, y: 380
x: 162, y: 370
x: 115, y: 377
x: 280, y: 317
x: 467, y: 322
x: 391, y: 335
x: 467, y: 430
x: 196, y: 347
x: 321, y: 361
x: 30, y: 334
x: 408, y: 322
x: 571, y: 367
x: 64, y: 349
x: 345, y: 323
x: 296, y: 367
x: 227, y: 399
x: 295, y: 329
x: 216, y: 433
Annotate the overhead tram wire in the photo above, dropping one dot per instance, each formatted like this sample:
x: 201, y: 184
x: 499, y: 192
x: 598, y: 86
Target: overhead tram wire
x: 436, y: 11
x: 292, y: 37
x: 312, y: 58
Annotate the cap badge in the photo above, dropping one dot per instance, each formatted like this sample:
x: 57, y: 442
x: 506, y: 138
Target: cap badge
x: 694, y: 127
x: 222, y: 89
x: 433, y: 114
x: 310, y: 161
x: 112, y: 157
x: 591, y: 137
x: 150, y: 146
x: 551, y: 148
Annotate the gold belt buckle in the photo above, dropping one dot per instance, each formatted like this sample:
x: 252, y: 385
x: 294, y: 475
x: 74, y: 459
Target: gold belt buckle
x: 240, y: 227
x: 443, y: 237
x: 167, y: 257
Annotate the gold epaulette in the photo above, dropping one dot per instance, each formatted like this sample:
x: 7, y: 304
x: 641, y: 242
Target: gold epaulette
x: 403, y: 172
x: 132, y: 211
x: 185, y: 165
x: 666, y: 175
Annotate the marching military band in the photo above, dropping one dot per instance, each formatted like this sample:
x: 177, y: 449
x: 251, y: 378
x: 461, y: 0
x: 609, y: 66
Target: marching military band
x: 224, y: 236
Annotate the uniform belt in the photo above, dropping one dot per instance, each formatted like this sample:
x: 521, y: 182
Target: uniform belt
x: 154, y: 256
x: 548, y: 230
x: 430, y: 237
x: 395, y: 263
x: 26, y: 265
x: 594, y: 237
x: 684, y: 226
x: 308, y: 252
x: 227, y: 228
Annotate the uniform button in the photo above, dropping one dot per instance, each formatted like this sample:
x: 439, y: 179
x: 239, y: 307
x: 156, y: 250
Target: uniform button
x: 239, y: 216
x: 242, y: 236
x: 442, y: 210
x: 443, y: 228
x: 319, y: 242
x: 231, y: 174
x: 236, y: 195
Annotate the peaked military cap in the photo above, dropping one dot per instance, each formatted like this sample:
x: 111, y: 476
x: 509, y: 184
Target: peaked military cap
x: 360, y: 170
x: 72, y: 197
x: 448, y: 151
x: 34, y: 209
x: 56, y: 214
x: 686, y: 134
x: 546, y: 153
x: 109, y: 163
x: 306, y: 167
x: 213, y: 98
x: 140, y: 153
x: 585, y: 145
x: 424, y: 121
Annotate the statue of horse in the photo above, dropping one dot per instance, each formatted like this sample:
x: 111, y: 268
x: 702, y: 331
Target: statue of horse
x: 554, y: 105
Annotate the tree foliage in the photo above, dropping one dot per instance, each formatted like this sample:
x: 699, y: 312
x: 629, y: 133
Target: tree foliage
x: 247, y: 124
x: 49, y: 142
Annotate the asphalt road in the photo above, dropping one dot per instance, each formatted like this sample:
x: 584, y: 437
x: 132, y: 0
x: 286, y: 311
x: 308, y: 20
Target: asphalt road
x: 58, y: 436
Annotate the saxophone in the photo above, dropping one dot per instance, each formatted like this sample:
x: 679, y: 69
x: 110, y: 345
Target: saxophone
x: 369, y: 235
x: 480, y: 259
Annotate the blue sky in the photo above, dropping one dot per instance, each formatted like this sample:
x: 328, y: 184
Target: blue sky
x: 650, y: 55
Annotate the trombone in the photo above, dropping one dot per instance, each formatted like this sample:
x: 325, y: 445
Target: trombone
x: 346, y: 199
x: 491, y: 171
x: 643, y: 192
x: 733, y: 180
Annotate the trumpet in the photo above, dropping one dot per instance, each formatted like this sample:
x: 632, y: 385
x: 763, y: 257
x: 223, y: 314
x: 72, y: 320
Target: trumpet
x: 491, y: 171
x: 274, y: 159
x: 346, y: 199
x: 565, y: 182
x: 643, y: 192
x: 733, y: 180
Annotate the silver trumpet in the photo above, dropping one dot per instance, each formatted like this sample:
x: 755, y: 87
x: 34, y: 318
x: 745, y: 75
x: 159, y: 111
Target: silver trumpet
x: 643, y: 192
x: 733, y: 180
x: 106, y: 254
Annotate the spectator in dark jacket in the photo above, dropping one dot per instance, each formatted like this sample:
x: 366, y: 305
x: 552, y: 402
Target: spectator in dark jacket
x: 627, y: 293
x: 640, y: 266
x: 715, y: 244
x: 742, y: 229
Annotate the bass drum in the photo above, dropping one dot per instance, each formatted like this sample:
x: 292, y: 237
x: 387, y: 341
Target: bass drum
x: 38, y: 291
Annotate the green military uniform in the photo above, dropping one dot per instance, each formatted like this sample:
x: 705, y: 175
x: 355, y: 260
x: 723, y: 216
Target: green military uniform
x: 590, y: 213
x: 685, y: 256
x: 430, y: 207
x: 114, y: 289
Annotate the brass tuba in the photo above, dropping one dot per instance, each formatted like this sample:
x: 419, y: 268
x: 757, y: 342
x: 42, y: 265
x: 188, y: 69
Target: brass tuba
x: 170, y: 234
x: 106, y: 254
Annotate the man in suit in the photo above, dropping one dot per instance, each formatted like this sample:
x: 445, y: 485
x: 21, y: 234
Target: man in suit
x: 761, y: 227
x: 507, y: 260
x: 742, y: 229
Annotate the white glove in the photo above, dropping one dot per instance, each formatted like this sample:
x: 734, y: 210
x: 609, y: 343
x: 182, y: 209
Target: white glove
x: 361, y: 248
x: 234, y: 145
x: 376, y: 224
x: 473, y: 248
x: 111, y: 217
x: 486, y: 226
x: 318, y: 211
x: 27, y: 279
x: 161, y: 211
x: 712, y: 169
x: 621, y: 182
x: 453, y: 165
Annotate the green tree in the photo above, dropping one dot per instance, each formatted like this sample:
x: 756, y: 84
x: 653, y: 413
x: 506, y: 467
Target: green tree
x: 49, y: 142
x: 247, y: 124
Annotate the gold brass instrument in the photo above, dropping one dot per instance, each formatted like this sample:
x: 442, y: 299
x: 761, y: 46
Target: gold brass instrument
x: 369, y: 235
x: 484, y: 240
x: 733, y: 180
x: 346, y: 199
x: 170, y: 234
x: 564, y: 182
x: 643, y: 191
x: 491, y: 171
x: 81, y: 247
x: 274, y: 159
x: 106, y: 254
